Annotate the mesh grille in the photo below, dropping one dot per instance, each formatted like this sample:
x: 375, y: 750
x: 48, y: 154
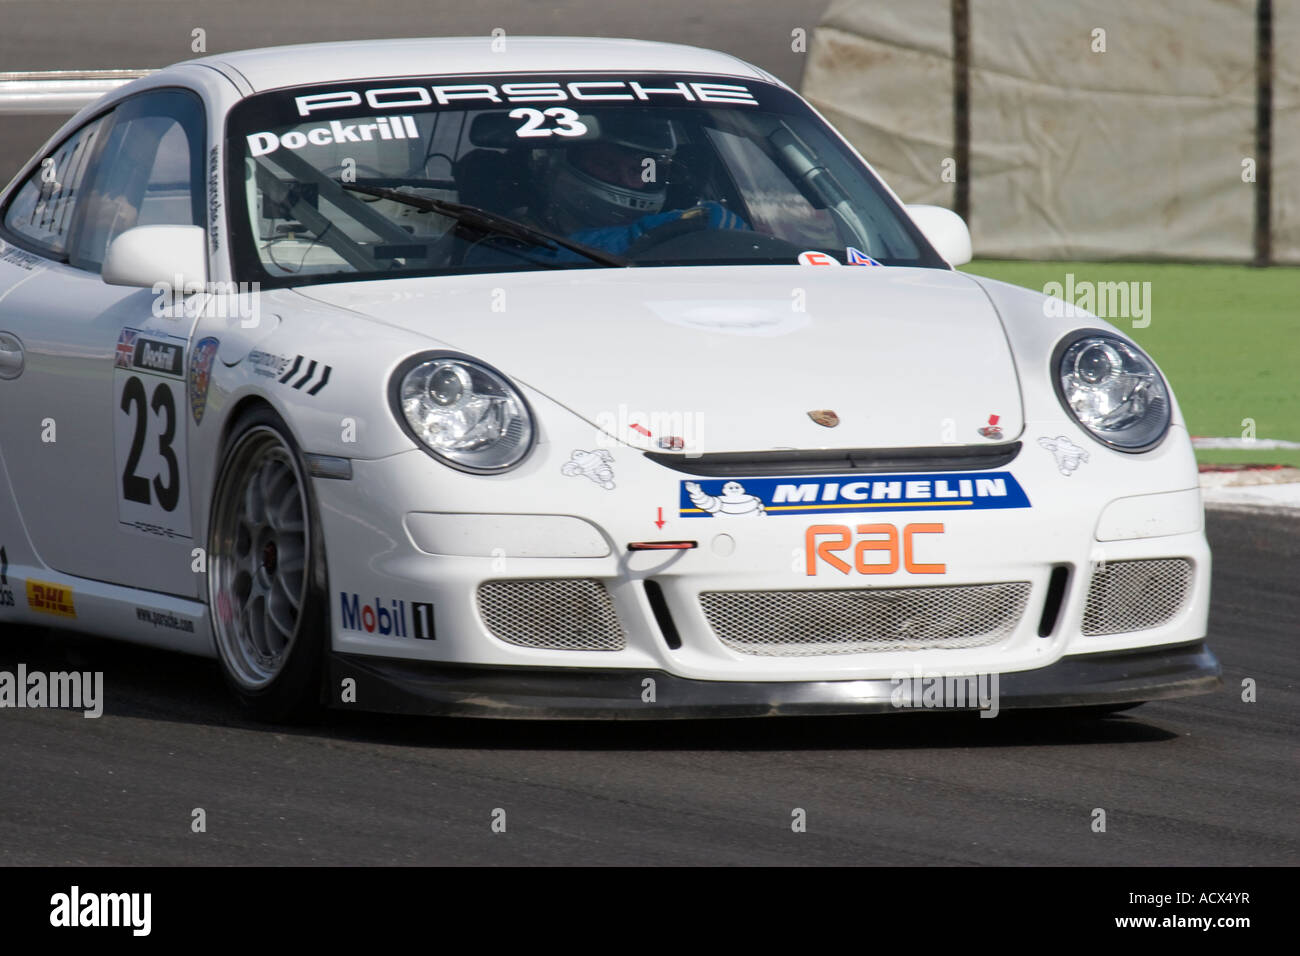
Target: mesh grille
x: 562, y: 614
x: 807, y: 623
x: 1135, y: 595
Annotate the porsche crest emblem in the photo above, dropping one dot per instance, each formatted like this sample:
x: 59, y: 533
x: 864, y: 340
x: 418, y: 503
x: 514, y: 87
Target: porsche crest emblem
x: 825, y: 417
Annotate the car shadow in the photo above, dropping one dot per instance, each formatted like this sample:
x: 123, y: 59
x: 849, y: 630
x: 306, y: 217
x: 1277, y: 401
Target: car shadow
x: 145, y: 683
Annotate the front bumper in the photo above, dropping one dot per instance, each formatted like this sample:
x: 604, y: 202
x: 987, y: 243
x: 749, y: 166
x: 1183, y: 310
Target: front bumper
x: 414, y: 550
x: 412, y: 687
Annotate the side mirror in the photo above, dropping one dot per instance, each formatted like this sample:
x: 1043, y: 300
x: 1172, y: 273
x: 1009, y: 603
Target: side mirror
x: 946, y: 231
x: 147, y: 255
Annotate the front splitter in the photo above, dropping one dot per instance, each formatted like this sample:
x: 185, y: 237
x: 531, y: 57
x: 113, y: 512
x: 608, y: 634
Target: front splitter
x: 393, y: 685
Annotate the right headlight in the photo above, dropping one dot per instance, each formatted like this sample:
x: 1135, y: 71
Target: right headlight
x: 1114, y: 391
x: 465, y: 413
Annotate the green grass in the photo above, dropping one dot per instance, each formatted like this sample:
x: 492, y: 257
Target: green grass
x: 1227, y: 337
x: 1229, y: 456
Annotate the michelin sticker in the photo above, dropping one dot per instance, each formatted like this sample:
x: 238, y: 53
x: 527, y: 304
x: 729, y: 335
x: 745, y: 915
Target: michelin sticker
x: 596, y: 465
x: 732, y: 502
x: 851, y: 493
x: 1068, y: 455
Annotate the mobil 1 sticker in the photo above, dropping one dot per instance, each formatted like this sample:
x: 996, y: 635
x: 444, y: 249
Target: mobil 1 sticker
x: 149, y: 433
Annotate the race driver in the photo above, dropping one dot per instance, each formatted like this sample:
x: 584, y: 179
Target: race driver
x: 609, y: 192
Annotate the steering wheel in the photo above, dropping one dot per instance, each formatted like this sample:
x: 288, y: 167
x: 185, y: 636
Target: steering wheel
x: 684, y: 224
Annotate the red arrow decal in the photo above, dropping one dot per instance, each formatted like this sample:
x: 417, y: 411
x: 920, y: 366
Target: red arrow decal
x: 659, y: 521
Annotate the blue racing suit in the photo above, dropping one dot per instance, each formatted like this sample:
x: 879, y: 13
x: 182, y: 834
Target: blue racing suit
x: 615, y: 239
x: 618, y: 239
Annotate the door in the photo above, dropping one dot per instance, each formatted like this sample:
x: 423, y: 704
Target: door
x: 94, y: 427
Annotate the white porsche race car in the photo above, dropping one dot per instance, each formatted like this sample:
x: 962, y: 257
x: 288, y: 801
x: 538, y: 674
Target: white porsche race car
x: 564, y: 378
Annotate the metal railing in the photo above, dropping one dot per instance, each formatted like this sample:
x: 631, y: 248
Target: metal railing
x: 59, y: 92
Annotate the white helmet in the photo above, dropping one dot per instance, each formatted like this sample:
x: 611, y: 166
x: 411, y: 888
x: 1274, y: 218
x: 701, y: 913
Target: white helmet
x: 606, y: 181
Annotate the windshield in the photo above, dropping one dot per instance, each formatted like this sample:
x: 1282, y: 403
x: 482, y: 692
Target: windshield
x: 451, y: 175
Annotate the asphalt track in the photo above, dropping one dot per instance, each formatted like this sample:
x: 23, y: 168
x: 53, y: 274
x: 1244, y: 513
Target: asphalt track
x: 1204, y: 781
x: 1208, y: 780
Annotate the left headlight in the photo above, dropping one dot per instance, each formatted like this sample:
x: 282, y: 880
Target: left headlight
x: 1114, y: 391
x: 463, y: 412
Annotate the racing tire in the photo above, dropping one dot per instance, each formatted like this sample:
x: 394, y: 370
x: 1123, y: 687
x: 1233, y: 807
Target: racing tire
x: 266, y: 572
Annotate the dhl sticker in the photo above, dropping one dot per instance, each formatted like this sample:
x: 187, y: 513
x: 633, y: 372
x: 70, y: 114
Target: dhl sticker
x: 50, y: 599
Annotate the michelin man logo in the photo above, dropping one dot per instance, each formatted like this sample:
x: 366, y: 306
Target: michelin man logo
x: 733, y: 502
x: 591, y: 464
x: 1068, y: 455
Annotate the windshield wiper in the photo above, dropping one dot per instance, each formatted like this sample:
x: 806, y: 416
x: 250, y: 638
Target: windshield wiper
x: 481, y: 219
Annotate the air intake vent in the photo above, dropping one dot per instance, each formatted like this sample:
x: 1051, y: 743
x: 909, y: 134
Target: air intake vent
x: 1052, y: 603
x: 664, y: 617
x: 559, y: 614
x: 808, y: 623
x: 1129, y: 596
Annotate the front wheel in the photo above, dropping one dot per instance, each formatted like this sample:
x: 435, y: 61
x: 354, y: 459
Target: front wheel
x: 266, y: 582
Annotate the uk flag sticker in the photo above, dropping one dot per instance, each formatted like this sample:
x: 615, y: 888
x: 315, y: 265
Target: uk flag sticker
x: 856, y: 257
x: 125, y: 348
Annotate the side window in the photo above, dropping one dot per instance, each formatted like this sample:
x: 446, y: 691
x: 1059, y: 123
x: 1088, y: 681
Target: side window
x: 149, y: 173
x: 42, y: 210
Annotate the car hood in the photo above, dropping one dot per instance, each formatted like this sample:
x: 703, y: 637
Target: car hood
x: 730, y: 358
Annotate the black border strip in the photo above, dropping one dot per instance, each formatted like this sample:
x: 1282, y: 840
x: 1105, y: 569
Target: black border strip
x: 840, y: 461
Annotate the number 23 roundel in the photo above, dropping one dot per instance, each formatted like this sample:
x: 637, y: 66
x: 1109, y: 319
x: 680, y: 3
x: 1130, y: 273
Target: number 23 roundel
x: 149, y: 433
